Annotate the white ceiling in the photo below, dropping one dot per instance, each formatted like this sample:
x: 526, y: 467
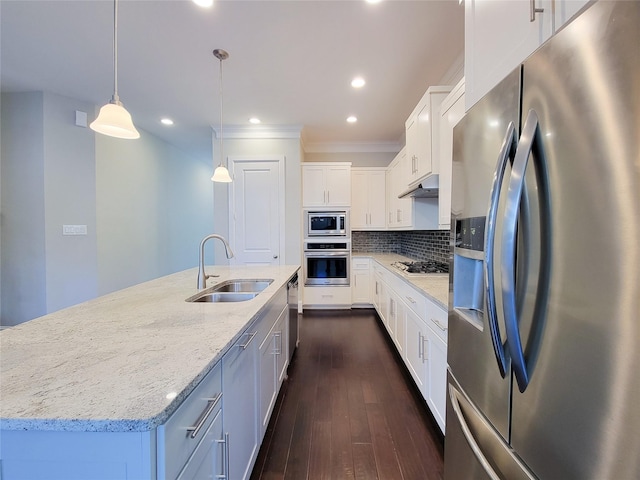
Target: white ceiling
x: 291, y: 62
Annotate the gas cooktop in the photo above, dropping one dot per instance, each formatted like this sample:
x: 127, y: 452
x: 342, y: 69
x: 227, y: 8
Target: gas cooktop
x: 422, y: 267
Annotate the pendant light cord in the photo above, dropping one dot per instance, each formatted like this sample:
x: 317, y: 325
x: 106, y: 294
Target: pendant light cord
x: 115, y: 99
x: 221, y: 110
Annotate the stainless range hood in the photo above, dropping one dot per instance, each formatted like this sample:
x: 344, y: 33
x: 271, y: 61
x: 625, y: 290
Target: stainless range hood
x: 428, y: 188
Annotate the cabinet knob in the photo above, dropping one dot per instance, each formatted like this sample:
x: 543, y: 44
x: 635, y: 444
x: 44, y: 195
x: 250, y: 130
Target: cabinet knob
x: 275, y: 256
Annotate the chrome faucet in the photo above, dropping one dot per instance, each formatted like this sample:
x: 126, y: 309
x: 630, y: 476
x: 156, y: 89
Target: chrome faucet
x: 202, y: 277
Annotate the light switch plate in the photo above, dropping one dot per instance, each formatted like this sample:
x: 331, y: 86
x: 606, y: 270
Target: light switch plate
x: 74, y: 229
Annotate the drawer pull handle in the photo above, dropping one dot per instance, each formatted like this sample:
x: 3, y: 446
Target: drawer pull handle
x: 211, y: 405
x: 439, y: 325
x: 411, y: 300
x: 244, y: 346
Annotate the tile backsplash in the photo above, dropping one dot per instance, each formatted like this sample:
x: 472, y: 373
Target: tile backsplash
x: 417, y: 244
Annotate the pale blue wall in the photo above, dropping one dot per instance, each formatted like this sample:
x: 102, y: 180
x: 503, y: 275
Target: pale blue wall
x: 146, y: 205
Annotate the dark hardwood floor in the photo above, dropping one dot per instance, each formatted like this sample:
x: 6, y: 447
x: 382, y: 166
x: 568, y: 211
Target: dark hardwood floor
x: 349, y: 410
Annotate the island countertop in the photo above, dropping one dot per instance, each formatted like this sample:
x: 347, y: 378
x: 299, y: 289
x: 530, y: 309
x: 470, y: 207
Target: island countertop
x: 124, y: 361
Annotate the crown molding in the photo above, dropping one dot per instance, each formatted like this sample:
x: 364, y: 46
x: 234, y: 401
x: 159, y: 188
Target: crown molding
x: 353, y: 147
x: 258, y: 131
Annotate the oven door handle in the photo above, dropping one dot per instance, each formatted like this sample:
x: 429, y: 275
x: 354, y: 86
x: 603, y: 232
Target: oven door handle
x: 327, y: 253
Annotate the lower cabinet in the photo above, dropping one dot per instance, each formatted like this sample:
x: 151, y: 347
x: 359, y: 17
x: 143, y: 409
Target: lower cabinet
x: 240, y: 408
x: 418, y: 328
x: 273, y: 368
x: 208, y: 460
x: 360, y: 282
x: 414, y: 357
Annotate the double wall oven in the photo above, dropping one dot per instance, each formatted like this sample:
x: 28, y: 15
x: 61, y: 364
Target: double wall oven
x: 327, y: 248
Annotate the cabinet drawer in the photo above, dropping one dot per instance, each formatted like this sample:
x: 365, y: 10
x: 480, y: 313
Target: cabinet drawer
x: 327, y: 296
x: 175, y: 442
x: 360, y: 263
x: 414, y: 300
x: 438, y: 320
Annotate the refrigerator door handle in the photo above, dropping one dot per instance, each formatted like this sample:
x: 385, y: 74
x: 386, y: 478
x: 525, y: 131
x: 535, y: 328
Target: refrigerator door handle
x: 507, y: 152
x: 530, y: 142
x: 468, y: 435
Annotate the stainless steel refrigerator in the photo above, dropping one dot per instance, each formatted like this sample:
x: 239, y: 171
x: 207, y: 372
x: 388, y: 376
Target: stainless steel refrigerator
x: 544, y: 305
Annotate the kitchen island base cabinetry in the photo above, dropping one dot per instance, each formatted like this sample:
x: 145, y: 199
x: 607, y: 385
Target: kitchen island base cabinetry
x: 37, y: 455
x: 213, y: 430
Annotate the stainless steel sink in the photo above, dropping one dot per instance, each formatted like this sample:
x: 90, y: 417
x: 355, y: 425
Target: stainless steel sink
x: 217, y: 297
x: 242, y: 285
x: 237, y: 290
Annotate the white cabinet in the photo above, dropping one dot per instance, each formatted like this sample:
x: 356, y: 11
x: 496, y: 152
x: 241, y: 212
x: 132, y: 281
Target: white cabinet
x: 499, y: 35
x: 399, y: 210
x: 186, y: 438
x: 451, y: 111
x: 422, y: 134
x: 273, y: 367
x: 368, y: 198
x: 435, y: 356
x: 414, y: 356
x: 207, y: 461
x: 360, y: 282
x: 240, y: 409
x: 418, y: 328
x: 326, y: 184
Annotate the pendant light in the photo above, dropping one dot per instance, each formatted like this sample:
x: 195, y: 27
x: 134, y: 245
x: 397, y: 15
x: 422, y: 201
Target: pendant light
x: 221, y: 174
x: 113, y: 119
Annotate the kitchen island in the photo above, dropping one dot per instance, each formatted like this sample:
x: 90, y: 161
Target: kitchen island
x: 124, y: 362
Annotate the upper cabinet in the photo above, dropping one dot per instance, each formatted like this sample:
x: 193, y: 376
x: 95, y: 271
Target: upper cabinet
x: 326, y: 184
x: 368, y: 198
x: 422, y: 135
x: 451, y: 111
x: 500, y: 34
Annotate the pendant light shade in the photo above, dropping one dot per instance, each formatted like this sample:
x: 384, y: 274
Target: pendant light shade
x: 113, y: 119
x: 221, y: 174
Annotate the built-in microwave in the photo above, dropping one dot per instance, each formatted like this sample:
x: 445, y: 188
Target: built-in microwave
x: 326, y: 223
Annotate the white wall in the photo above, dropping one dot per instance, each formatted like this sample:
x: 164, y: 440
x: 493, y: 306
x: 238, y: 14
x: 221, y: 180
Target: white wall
x: 22, y: 177
x: 154, y: 205
x: 146, y: 206
x: 288, y: 147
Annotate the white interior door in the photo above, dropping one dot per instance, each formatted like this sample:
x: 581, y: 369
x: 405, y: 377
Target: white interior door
x: 256, y: 213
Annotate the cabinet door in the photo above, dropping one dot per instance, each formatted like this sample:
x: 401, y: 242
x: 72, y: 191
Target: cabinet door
x: 436, y: 388
x: 380, y: 298
x: 282, y: 348
x: 268, y: 379
x: 565, y: 10
x: 423, y: 162
x: 313, y: 186
x: 401, y: 328
x: 414, y: 357
x: 207, y: 460
x: 376, y: 199
x: 240, y: 404
x: 451, y: 113
x: 498, y: 36
x: 359, y: 200
x: 338, y: 185
x: 361, y: 281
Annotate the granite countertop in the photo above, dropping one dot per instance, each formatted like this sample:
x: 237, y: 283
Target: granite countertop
x: 435, y: 286
x: 124, y: 361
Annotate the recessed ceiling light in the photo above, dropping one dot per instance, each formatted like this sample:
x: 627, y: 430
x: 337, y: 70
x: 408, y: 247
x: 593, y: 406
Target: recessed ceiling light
x: 357, y: 82
x: 166, y: 121
x: 254, y: 120
x: 369, y: 1
x: 352, y: 119
x: 203, y: 3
